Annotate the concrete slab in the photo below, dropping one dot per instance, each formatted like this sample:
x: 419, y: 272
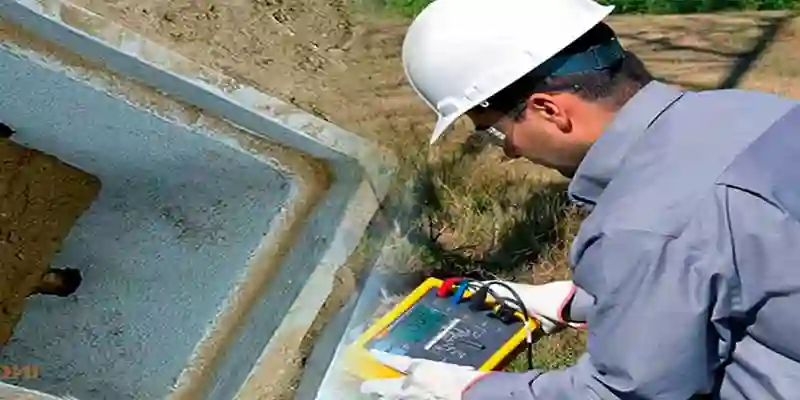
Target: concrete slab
x: 380, y: 292
x: 169, y: 235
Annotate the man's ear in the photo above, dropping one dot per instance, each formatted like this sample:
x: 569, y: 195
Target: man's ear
x: 548, y: 108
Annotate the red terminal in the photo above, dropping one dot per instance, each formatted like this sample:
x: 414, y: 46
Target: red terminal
x: 447, y: 286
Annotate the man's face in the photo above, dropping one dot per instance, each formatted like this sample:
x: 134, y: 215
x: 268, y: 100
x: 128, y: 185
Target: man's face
x: 554, y: 130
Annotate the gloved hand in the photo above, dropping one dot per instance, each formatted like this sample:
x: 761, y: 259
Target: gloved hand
x: 423, y: 380
x: 547, y: 302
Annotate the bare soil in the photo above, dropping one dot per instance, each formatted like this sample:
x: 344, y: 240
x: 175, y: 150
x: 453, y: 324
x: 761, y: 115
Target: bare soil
x: 316, y: 54
x: 40, y: 200
x: 745, y: 50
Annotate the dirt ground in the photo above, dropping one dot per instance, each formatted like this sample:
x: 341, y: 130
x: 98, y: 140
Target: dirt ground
x: 317, y: 54
x: 40, y: 200
x: 752, y: 50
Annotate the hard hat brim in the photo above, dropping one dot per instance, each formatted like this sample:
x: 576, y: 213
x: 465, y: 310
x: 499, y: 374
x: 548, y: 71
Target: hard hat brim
x: 442, y: 125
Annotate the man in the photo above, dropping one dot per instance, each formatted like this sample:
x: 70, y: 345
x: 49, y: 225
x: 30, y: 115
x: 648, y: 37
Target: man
x: 687, y: 270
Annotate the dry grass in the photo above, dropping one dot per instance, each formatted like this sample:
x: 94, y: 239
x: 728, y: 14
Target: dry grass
x: 484, y: 216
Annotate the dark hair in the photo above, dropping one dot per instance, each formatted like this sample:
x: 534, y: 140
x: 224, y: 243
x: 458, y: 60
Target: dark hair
x: 613, y: 86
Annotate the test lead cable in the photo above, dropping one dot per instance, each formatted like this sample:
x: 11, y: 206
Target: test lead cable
x: 484, y: 288
x: 527, y: 317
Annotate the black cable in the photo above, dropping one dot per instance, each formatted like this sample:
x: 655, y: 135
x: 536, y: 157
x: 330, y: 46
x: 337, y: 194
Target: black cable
x: 526, y: 313
x: 514, y: 301
x: 501, y: 299
x: 519, y: 303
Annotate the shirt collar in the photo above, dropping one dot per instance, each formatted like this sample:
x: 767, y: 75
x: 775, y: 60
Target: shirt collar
x: 606, y: 155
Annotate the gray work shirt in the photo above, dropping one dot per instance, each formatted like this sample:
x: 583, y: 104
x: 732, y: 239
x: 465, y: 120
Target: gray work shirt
x: 692, y: 252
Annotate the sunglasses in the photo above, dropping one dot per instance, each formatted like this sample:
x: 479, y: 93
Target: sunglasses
x: 491, y: 134
x: 495, y: 136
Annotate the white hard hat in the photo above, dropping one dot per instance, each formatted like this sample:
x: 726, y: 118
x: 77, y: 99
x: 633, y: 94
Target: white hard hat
x: 458, y: 53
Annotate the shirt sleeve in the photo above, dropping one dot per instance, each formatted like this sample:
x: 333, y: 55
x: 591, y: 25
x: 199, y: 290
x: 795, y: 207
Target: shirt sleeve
x: 651, y: 330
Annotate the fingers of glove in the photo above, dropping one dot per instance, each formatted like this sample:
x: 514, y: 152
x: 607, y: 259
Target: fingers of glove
x: 461, y: 367
x: 410, y: 366
x: 399, y: 363
x: 393, y: 389
x: 398, y: 389
x: 385, y: 388
x: 428, y: 368
x: 548, y: 326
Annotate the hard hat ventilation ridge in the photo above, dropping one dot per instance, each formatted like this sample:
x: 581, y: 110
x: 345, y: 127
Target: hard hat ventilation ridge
x: 600, y: 57
x: 604, y: 56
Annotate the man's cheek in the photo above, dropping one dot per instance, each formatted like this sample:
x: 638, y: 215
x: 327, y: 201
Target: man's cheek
x: 511, y: 150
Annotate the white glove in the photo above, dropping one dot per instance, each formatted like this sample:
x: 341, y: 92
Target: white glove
x: 545, y: 302
x: 423, y: 380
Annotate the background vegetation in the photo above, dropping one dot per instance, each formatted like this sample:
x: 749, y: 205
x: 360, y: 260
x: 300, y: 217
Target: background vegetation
x: 412, y: 7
